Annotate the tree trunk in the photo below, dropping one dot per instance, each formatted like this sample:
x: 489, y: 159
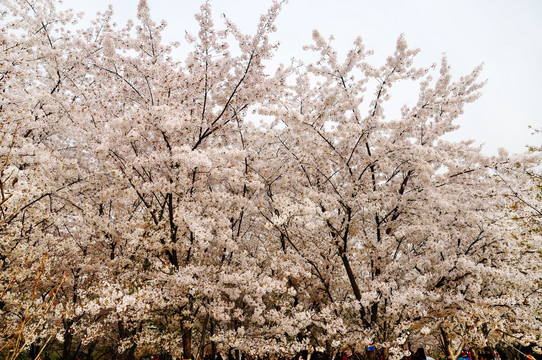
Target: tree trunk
x: 90, y: 350
x: 123, y: 334
x: 386, y: 353
x: 68, y: 339
x: 187, y: 343
x: 329, y: 353
x: 449, y: 351
x: 201, y: 351
x: 34, y: 349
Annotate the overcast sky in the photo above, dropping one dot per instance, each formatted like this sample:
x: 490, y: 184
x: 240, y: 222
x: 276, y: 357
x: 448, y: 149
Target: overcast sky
x: 504, y: 35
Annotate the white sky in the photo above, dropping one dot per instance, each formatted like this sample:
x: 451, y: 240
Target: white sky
x: 504, y: 35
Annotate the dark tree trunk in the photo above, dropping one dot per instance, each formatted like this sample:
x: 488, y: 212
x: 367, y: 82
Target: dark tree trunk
x: 123, y: 334
x: 187, y: 343
x: 34, y: 350
x: 68, y: 340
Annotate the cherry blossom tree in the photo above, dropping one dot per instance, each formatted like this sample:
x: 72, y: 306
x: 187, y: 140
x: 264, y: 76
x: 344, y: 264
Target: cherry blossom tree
x: 170, y: 138
x: 189, y: 207
x: 398, y: 225
x: 34, y: 204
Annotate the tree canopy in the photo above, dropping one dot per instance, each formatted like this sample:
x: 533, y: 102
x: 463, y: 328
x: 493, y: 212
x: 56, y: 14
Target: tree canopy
x: 159, y: 205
